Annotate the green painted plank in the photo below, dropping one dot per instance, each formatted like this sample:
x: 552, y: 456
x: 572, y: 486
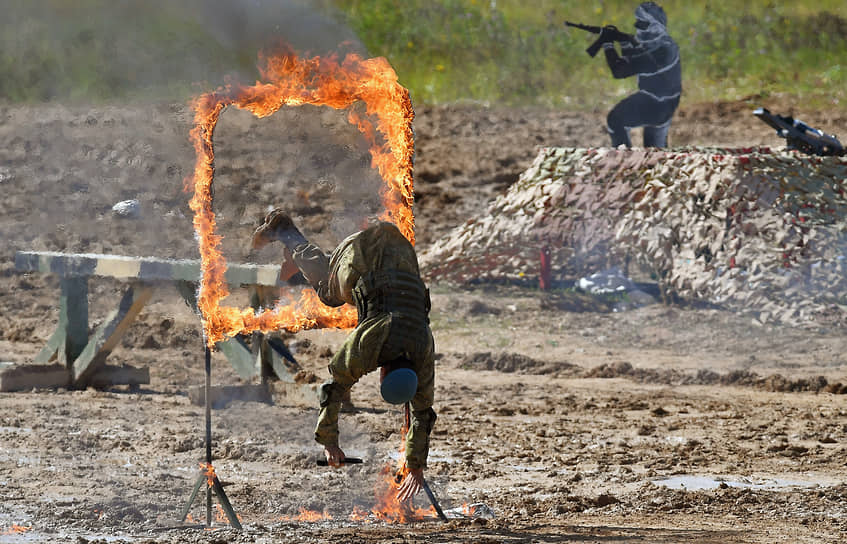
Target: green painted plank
x: 56, y: 340
x: 280, y: 359
x: 73, y: 318
x: 109, y: 333
x: 240, y: 357
x: 142, y: 268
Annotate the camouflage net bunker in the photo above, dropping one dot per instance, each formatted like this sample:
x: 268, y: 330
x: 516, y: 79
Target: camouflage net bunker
x: 754, y: 229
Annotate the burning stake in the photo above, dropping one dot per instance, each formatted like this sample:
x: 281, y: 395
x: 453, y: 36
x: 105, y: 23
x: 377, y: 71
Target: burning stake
x: 207, y: 474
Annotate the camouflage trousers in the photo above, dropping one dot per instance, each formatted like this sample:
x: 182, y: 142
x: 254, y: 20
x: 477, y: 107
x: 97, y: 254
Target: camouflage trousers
x: 359, y: 355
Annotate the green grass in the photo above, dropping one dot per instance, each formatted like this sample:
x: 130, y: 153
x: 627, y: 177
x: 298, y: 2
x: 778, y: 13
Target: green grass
x: 497, y: 51
x: 513, y: 51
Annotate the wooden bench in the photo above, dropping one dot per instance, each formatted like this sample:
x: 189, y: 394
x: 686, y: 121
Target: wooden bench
x: 84, y: 356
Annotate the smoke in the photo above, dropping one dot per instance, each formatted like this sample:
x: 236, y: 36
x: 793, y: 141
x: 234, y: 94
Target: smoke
x: 116, y: 77
x: 308, y: 160
x: 249, y: 23
x: 101, y: 49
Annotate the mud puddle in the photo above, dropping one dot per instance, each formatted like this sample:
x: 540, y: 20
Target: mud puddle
x: 690, y: 482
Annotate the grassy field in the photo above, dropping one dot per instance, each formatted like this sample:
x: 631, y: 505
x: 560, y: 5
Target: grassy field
x: 518, y: 51
x: 498, y: 51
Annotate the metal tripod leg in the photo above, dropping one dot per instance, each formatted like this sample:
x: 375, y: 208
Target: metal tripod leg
x: 204, y: 478
x: 434, y: 501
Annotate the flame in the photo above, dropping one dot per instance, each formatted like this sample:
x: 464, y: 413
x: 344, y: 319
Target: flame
x: 209, y: 471
x: 292, y: 81
x: 308, y: 515
x: 220, y: 515
x: 359, y: 514
x: 16, y: 529
x: 468, y: 510
x: 388, y: 508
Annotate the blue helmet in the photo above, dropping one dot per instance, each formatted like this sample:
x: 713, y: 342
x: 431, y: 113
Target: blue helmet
x: 399, y: 385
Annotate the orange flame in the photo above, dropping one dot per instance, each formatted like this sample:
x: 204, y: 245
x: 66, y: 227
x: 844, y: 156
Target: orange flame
x: 359, y: 514
x: 220, y: 515
x: 308, y: 515
x: 388, y: 508
x: 291, y: 81
x: 209, y: 471
x: 16, y: 529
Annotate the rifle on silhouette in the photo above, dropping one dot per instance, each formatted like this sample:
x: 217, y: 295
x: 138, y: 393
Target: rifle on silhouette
x: 800, y: 136
x: 608, y: 33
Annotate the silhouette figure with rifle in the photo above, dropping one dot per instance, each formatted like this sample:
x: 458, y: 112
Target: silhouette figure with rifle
x: 651, y: 55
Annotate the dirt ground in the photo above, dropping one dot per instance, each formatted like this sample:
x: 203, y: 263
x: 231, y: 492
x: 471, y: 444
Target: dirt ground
x: 559, y: 421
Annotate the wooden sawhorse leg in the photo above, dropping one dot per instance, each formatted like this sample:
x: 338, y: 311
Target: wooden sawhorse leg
x: 70, y: 343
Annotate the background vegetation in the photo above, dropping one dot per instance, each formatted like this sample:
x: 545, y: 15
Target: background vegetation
x: 518, y: 51
x: 501, y: 51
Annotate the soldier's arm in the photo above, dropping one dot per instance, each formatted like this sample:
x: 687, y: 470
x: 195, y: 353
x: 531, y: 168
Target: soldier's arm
x: 638, y: 60
x: 356, y: 357
x: 326, y: 430
x: 314, y: 264
x: 422, y: 419
x: 417, y: 439
x: 621, y: 66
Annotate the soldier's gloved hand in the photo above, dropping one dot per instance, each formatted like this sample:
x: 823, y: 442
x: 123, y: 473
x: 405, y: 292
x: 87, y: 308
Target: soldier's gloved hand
x: 334, y: 456
x: 277, y: 225
x: 412, y: 485
x: 260, y: 239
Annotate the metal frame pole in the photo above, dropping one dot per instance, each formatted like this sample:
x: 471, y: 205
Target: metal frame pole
x: 204, y: 478
x: 208, y: 399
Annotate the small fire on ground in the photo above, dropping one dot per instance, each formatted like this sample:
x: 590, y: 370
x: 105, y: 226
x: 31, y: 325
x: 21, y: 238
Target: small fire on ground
x: 388, y: 508
x: 16, y: 529
x: 361, y: 515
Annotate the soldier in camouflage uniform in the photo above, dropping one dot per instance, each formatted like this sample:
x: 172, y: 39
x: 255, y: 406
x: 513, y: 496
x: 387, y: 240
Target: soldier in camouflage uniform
x: 375, y: 269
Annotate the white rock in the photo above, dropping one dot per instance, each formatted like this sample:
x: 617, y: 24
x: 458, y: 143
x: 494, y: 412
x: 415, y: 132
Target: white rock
x: 127, y: 209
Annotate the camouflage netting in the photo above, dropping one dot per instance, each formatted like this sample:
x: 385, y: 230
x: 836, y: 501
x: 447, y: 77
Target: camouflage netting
x: 748, y: 229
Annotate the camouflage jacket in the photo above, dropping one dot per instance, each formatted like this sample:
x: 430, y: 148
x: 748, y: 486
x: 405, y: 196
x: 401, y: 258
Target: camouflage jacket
x: 378, y: 248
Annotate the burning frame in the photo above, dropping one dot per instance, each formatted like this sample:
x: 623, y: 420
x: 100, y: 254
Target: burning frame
x: 292, y: 81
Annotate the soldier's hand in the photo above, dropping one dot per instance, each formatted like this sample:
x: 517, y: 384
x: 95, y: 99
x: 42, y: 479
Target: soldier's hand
x: 275, y: 222
x: 334, y: 456
x: 260, y: 238
x: 411, y: 486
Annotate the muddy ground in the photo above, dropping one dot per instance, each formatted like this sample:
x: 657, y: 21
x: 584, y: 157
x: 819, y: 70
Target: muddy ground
x: 566, y: 421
